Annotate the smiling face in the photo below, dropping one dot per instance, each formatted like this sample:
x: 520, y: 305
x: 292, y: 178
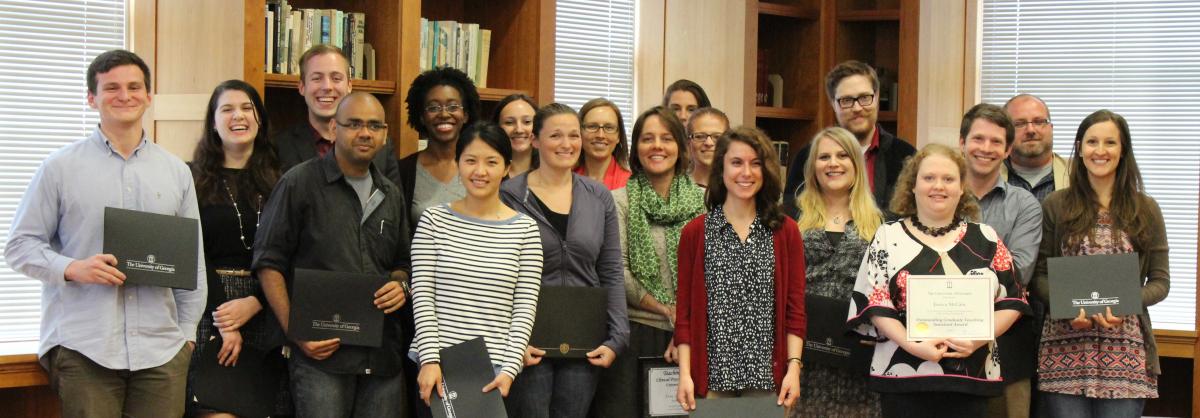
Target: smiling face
x: 938, y: 187
x: 858, y: 119
x: 657, y: 149
x: 599, y: 145
x: 236, y: 119
x: 984, y: 148
x: 711, y: 127
x: 559, y: 141
x: 121, y: 95
x: 743, y: 172
x: 833, y: 167
x: 359, y: 145
x: 683, y: 103
x: 1101, y: 150
x: 448, y: 118
x: 516, y: 119
x: 324, y: 83
x: 481, y: 168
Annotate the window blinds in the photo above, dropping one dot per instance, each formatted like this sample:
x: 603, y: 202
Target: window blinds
x: 593, y: 54
x: 1140, y: 59
x: 45, y: 47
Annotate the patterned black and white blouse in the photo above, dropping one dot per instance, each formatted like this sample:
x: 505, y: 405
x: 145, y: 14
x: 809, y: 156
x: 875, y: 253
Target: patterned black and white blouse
x: 879, y: 290
x: 739, y: 278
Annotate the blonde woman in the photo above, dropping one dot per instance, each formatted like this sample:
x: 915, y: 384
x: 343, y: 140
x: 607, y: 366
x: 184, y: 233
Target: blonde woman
x: 838, y: 218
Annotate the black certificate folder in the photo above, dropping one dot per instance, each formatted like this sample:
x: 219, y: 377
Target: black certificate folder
x: 466, y: 369
x: 1094, y: 282
x: 153, y: 249
x: 333, y: 304
x: 829, y: 341
x: 571, y: 321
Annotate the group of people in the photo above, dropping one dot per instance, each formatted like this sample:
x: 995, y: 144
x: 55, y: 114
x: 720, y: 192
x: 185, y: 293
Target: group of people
x: 705, y: 249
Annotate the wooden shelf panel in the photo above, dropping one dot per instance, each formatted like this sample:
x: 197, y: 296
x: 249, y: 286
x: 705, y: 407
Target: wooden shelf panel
x: 488, y: 94
x: 769, y: 112
x: 783, y: 10
x: 869, y: 15
x: 887, y: 116
x: 369, y: 86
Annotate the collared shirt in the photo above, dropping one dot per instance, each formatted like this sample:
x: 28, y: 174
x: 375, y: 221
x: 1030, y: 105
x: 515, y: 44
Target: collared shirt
x: 322, y: 145
x: 61, y: 219
x: 869, y: 154
x: 314, y: 220
x: 1017, y: 216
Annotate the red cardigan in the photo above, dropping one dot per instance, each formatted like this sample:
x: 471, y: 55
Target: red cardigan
x: 691, y: 317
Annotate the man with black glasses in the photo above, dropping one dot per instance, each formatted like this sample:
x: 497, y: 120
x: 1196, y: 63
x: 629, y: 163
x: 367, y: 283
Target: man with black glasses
x: 853, y: 91
x: 1033, y: 165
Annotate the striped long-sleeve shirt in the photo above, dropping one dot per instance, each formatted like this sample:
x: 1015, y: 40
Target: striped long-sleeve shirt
x: 475, y: 278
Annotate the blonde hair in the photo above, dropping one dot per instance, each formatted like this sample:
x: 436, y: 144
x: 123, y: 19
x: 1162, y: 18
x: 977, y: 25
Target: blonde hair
x: 905, y: 204
x: 866, y: 215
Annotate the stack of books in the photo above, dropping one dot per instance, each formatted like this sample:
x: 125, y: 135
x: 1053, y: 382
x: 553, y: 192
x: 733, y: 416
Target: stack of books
x: 291, y: 31
x: 464, y: 46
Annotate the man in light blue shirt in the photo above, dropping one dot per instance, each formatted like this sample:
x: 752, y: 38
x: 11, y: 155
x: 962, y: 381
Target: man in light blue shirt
x: 110, y: 349
x: 986, y: 137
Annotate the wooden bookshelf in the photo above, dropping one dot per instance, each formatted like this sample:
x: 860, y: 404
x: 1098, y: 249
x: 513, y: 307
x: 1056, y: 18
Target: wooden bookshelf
x: 393, y: 28
x: 801, y: 40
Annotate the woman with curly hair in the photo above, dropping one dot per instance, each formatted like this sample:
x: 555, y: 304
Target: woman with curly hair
x: 440, y: 103
x: 936, y: 235
x: 740, y: 321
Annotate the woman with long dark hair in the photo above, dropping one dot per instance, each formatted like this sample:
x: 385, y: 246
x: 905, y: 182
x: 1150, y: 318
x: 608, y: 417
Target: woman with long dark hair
x: 1103, y: 365
x: 235, y: 168
x: 740, y: 320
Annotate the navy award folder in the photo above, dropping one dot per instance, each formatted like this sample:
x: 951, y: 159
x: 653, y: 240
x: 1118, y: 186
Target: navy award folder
x: 466, y: 369
x: 334, y: 304
x: 153, y: 249
x: 1094, y: 282
x: 570, y: 321
x: 829, y: 342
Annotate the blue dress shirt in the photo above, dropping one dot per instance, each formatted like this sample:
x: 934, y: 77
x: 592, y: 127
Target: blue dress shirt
x: 61, y: 219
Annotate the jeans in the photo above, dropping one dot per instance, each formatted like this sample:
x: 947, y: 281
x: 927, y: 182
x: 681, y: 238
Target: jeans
x: 559, y: 388
x: 1072, y: 406
x: 87, y: 389
x: 320, y: 394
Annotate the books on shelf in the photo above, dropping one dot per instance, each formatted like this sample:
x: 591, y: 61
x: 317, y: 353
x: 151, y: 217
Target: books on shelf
x: 291, y: 31
x: 465, y: 46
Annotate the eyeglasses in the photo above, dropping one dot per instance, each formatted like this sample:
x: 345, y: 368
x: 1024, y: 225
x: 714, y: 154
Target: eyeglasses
x: 355, y: 125
x: 450, y: 108
x: 595, y: 127
x: 848, y: 102
x: 701, y: 137
x: 1037, y: 123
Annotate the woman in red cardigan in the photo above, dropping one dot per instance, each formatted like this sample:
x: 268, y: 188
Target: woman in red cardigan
x: 740, y: 308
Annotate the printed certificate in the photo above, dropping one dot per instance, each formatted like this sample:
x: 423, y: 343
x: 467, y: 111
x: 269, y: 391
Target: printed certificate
x: 950, y: 307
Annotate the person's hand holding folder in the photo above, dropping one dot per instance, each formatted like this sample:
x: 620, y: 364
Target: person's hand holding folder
x: 1107, y: 320
x: 390, y: 297
x: 97, y: 269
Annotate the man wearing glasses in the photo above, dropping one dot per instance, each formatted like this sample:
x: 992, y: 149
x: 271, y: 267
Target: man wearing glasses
x: 1033, y: 165
x: 324, y: 80
x: 853, y: 90
x: 339, y: 213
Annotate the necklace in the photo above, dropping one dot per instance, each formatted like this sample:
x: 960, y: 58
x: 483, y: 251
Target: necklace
x: 838, y: 220
x: 257, y: 216
x: 936, y: 232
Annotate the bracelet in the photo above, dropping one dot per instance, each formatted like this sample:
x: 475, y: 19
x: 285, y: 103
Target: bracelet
x: 796, y: 360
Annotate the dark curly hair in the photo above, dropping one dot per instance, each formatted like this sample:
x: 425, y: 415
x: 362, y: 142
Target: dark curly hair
x: 767, y: 200
x: 261, y: 172
x: 441, y: 76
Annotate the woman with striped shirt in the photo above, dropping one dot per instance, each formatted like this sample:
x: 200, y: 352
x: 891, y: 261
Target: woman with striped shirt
x: 477, y: 267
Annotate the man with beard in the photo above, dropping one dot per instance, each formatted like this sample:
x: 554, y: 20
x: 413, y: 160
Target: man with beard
x: 853, y: 91
x: 1033, y: 164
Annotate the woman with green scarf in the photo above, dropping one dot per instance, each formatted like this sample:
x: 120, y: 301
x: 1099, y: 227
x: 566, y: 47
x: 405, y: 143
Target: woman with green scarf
x: 659, y: 199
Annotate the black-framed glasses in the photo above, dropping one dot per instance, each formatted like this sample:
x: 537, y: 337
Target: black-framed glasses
x: 355, y: 124
x: 596, y: 127
x: 434, y: 109
x: 701, y: 137
x: 848, y: 102
x: 1037, y: 123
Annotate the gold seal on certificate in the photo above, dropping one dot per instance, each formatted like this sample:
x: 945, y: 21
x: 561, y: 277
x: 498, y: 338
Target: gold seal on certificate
x: 950, y: 307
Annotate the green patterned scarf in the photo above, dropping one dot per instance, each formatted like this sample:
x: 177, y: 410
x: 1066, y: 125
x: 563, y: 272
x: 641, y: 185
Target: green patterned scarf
x: 646, y: 207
